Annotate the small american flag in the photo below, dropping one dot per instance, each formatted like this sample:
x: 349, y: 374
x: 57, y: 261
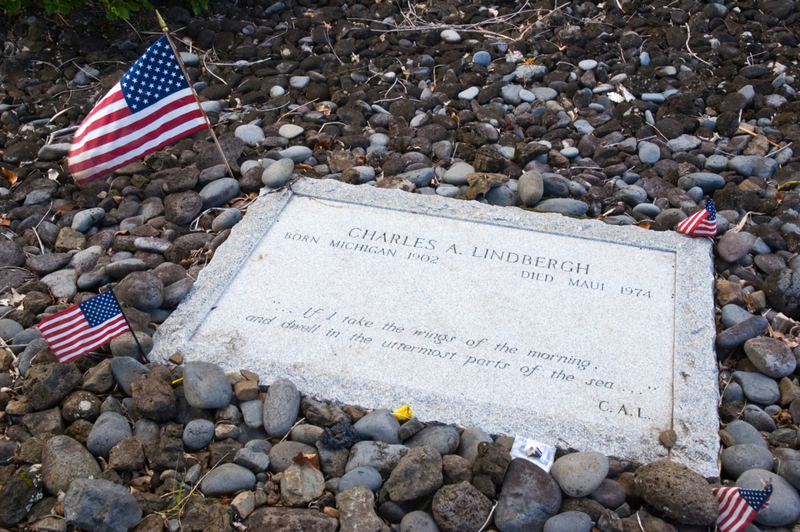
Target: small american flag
x: 738, y: 506
x: 702, y: 223
x: 80, y: 328
x: 149, y: 108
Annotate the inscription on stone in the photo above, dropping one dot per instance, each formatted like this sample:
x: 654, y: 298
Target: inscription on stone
x: 520, y: 323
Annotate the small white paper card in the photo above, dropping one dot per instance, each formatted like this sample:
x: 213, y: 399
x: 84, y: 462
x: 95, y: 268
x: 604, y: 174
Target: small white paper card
x: 541, y: 454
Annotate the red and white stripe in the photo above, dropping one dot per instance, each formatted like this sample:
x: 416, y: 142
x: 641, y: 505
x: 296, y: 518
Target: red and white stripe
x: 111, y: 136
x: 735, y: 513
x: 698, y: 225
x: 70, y: 336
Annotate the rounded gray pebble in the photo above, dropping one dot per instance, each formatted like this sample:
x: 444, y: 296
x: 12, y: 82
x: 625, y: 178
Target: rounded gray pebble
x: 206, y: 386
x: 9, y: 329
x: 417, y: 521
x: 226, y: 219
x: 649, y: 153
x: 379, y: 425
x: 569, y: 522
x: 281, y: 407
x: 457, y: 173
x: 744, y: 433
x: 566, y: 206
x: 125, y: 369
x: 278, y: 173
x: 87, y: 218
x: 733, y: 315
x: 219, y: 192
x: 198, y: 433
x: 125, y: 345
x: 443, y: 438
x: 770, y: 356
x: 361, y: 476
x: 758, y: 388
x: 227, y: 479
x: 482, y: 58
x: 762, y: 421
x: 740, y: 458
x: 579, y: 474
x: 109, y: 429
x: 298, y: 154
x: 530, y: 188
x: 250, y: 134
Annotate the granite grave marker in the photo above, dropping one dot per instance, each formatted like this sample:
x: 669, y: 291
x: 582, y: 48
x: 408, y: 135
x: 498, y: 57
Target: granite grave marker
x: 573, y: 332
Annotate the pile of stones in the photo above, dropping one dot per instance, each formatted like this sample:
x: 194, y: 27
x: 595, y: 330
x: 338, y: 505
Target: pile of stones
x: 628, y: 111
x: 188, y: 447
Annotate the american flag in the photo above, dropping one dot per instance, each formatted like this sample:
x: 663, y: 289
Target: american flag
x: 738, y: 506
x: 80, y: 328
x: 701, y: 223
x: 149, y: 108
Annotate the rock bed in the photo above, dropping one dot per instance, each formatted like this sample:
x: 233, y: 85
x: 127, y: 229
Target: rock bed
x: 626, y: 111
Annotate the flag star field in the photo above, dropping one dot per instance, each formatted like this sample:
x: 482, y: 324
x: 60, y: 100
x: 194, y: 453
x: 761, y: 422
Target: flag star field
x: 154, y: 76
x: 100, y: 308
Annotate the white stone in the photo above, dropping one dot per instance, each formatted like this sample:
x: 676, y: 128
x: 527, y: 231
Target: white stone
x: 450, y: 36
x: 190, y: 59
x: 526, y: 96
x: 468, y: 94
x: 512, y: 321
x: 212, y: 106
x: 299, y: 82
x: 277, y: 91
x: 250, y: 134
x: 290, y: 131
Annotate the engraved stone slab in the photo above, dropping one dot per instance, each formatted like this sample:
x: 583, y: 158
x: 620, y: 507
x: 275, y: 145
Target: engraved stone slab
x: 584, y: 335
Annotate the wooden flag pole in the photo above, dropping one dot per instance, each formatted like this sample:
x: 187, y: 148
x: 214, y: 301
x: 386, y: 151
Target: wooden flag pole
x: 197, y: 99
x: 110, y: 289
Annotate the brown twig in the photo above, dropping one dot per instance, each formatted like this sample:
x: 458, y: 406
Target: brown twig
x: 756, y: 134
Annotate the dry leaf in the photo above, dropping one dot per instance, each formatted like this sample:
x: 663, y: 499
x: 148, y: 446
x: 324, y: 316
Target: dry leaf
x: 331, y: 512
x: 741, y: 223
x: 354, y: 57
x: 186, y: 263
x: 382, y: 37
x: 4, y: 221
x: 306, y: 167
x: 64, y: 209
x: 10, y: 176
x: 644, y: 225
x: 324, y: 144
x: 308, y: 460
x: 782, y: 418
x: 141, y: 483
x: 327, y: 26
x: 15, y: 299
x: 123, y: 232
